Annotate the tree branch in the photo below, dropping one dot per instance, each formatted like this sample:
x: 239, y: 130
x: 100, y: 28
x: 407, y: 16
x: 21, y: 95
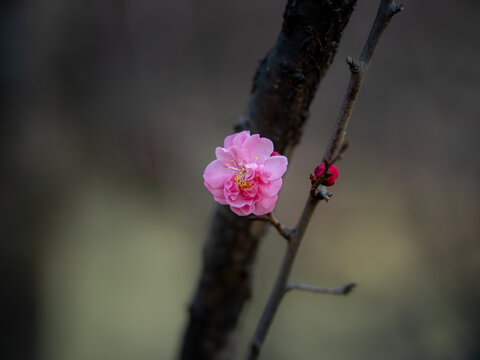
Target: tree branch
x: 282, y: 278
x: 334, y: 150
x: 344, y: 290
x: 282, y: 230
x: 283, y: 88
x: 358, y: 71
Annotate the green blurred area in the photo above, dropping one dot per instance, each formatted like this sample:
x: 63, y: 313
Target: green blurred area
x: 113, y: 112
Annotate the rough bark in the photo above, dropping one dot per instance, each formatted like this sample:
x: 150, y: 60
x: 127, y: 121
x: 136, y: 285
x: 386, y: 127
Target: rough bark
x: 283, y: 88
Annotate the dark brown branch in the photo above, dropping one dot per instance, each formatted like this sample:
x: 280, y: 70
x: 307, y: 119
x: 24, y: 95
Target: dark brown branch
x: 286, y: 81
x: 344, y: 290
x: 358, y: 70
x: 283, y: 88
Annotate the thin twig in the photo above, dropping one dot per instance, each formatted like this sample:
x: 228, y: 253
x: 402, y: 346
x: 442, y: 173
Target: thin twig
x: 358, y: 71
x: 344, y: 290
x: 334, y: 150
x: 284, y: 231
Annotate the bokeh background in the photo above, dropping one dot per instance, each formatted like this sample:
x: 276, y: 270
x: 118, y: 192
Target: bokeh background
x: 112, y: 110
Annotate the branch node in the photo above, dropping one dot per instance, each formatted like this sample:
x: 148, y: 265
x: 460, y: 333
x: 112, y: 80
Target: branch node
x: 354, y: 65
x: 322, y: 193
x: 394, y: 9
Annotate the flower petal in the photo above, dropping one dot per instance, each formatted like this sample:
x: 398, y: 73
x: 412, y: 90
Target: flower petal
x: 218, y: 193
x: 225, y: 156
x: 236, y: 139
x: 216, y: 174
x: 265, y: 205
x: 257, y: 149
x: 252, y: 191
x: 252, y: 170
x: 242, y: 211
x: 239, y: 201
x: 271, y: 188
x: 220, y: 200
x: 231, y: 190
x: 275, y: 167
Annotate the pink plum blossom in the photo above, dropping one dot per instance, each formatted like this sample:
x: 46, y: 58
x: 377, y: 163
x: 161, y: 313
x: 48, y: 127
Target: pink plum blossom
x: 247, y: 174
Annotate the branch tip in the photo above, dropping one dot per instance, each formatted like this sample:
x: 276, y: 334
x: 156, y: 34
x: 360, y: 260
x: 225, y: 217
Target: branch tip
x: 344, y: 290
x: 347, y: 289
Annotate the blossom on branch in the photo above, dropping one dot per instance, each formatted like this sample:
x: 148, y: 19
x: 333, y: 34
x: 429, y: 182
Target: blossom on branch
x: 247, y: 174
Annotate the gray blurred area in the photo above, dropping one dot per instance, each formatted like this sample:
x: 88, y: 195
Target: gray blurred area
x: 111, y: 111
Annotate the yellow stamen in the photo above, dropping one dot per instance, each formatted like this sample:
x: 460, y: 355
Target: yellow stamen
x: 240, y: 180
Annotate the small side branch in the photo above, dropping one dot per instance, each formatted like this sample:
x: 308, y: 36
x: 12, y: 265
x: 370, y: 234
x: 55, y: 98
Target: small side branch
x: 284, y: 231
x: 344, y: 290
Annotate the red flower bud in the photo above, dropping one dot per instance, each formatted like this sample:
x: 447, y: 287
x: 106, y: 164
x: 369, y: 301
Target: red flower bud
x: 275, y: 154
x: 332, y: 174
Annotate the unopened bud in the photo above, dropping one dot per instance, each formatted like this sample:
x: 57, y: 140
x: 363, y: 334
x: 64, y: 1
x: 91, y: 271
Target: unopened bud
x: 332, y: 174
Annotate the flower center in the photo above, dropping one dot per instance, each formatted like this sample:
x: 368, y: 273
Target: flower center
x: 240, y: 177
x: 240, y: 180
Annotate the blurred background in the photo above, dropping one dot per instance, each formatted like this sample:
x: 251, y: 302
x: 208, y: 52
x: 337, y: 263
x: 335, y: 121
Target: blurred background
x: 111, y: 111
